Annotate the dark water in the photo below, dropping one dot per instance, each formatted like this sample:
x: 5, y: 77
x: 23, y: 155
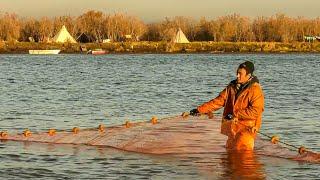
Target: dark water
x: 42, y: 92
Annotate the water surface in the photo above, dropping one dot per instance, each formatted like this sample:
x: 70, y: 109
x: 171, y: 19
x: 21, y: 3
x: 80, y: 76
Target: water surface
x: 63, y: 91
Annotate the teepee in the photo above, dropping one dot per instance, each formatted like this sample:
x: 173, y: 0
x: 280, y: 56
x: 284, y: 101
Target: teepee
x: 180, y: 37
x: 63, y: 36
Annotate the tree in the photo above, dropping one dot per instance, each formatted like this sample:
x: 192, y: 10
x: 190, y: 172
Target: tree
x: 45, y: 29
x: 10, y: 27
x: 152, y: 32
x: 29, y: 30
x: 259, y: 28
x: 118, y: 25
x: 68, y: 21
x: 92, y: 23
x: 203, y: 32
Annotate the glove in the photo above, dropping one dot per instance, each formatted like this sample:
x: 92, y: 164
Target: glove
x: 229, y: 117
x: 253, y: 130
x: 194, y: 112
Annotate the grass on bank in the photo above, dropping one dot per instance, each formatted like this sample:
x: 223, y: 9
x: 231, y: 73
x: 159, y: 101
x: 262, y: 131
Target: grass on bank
x: 166, y: 47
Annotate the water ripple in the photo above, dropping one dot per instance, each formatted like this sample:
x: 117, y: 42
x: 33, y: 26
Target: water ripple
x: 41, y: 92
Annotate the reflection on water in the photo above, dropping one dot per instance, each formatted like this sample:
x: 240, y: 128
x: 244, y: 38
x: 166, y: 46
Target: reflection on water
x: 243, y: 165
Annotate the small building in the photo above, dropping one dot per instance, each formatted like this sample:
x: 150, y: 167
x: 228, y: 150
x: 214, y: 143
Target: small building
x: 31, y: 39
x: 309, y: 38
x: 106, y: 41
x: 83, y: 38
x: 127, y: 38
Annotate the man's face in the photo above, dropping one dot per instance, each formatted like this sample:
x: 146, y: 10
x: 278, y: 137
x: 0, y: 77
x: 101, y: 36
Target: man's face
x: 242, y: 76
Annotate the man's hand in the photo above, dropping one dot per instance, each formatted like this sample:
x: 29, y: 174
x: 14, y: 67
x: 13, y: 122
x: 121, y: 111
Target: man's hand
x: 229, y: 117
x: 194, y: 112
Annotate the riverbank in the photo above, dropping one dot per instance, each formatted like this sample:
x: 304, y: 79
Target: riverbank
x: 165, y: 47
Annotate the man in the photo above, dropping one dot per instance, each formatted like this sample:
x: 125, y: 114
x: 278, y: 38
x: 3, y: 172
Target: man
x: 243, y: 103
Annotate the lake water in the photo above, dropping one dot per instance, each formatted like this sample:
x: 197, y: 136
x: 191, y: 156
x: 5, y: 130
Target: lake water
x: 63, y: 91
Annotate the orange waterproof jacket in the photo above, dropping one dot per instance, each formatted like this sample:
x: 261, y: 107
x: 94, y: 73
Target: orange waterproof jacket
x: 246, y: 104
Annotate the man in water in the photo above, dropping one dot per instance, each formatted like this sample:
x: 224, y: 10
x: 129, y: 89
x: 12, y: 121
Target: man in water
x: 243, y: 103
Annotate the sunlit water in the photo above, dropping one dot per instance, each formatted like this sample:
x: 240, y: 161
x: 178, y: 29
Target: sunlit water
x: 63, y: 91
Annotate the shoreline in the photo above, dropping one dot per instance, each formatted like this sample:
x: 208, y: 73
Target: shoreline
x: 147, y: 47
x: 160, y: 53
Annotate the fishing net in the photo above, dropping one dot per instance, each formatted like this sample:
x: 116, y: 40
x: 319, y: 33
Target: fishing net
x: 174, y: 135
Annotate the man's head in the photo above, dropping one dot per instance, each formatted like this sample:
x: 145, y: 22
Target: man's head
x: 244, y: 72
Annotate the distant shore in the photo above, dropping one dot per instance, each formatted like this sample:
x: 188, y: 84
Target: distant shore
x: 165, y: 47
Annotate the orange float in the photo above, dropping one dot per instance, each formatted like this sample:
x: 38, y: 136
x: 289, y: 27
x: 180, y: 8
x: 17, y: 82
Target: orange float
x: 154, y: 120
x: 101, y: 128
x: 4, y: 134
x: 185, y: 114
x: 302, y: 150
x: 127, y: 124
x: 27, y: 133
x: 51, y: 132
x: 274, y: 139
x: 75, y: 130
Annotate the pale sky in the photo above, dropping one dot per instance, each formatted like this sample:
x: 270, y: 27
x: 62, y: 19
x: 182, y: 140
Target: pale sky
x: 155, y: 10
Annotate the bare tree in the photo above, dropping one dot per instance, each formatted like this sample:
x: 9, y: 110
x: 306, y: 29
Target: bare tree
x: 45, y: 29
x: 91, y: 23
x: 9, y: 27
x: 68, y: 21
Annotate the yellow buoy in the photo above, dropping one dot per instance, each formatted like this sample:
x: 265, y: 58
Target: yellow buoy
x: 127, y: 124
x: 154, y: 120
x: 27, y: 133
x: 51, y: 132
x: 210, y: 115
x: 185, y: 114
x: 4, y: 134
x: 275, y: 139
x: 75, y: 130
x: 101, y: 128
x: 302, y: 150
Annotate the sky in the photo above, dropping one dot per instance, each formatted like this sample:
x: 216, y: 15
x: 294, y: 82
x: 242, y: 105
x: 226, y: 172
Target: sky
x: 155, y: 10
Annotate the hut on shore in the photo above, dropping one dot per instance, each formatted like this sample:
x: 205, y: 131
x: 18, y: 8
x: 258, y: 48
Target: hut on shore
x: 180, y: 37
x: 83, y: 38
x: 63, y: 36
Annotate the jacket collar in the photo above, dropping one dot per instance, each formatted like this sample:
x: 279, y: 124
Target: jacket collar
x: 239, y: 88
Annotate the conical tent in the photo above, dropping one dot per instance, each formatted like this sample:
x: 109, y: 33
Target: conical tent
x: 64, y: 36
x: 180, y: 37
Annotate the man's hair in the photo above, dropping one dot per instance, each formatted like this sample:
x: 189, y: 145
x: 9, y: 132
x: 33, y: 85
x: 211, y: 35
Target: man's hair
x: 248, y: 66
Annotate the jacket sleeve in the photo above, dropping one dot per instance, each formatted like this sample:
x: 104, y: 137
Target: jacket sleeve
x: 255, y: 108
x: 215, y: 103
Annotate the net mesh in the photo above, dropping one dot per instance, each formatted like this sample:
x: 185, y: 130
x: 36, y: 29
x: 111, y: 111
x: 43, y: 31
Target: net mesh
x: 175, y: 135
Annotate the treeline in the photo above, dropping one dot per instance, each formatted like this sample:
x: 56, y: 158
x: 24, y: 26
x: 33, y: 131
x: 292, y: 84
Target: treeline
x: 98, y: 26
